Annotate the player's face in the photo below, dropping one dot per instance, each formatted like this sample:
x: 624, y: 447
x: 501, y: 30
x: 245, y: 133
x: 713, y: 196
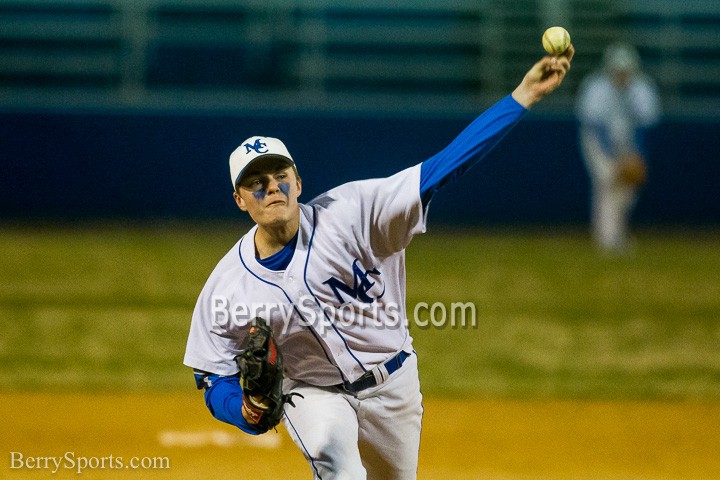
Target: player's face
x: 269, y: 191
x: 622, y: 78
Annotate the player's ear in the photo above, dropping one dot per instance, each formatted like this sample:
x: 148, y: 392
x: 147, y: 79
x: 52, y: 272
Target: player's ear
x: 299, y: 186
x: 240, y: 202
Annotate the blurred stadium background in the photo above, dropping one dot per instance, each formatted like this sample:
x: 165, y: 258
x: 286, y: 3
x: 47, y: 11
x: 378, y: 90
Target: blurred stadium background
x: 116, y: 121
x: 111, y: 99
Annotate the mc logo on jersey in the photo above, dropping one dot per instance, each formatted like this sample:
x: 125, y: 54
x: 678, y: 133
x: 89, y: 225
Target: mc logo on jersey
x: 259, y: 147
x: 361, y: 285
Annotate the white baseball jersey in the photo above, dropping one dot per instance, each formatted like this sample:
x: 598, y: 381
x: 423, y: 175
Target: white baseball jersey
x: 338, y: 309
x: 601, y: 104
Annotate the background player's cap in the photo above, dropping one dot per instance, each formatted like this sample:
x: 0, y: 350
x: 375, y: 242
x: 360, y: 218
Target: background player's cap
x: 252, y: 149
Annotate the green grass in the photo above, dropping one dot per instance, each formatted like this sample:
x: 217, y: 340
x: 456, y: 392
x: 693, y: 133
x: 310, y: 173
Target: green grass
x: 108, y: 308
x: 556, y: 319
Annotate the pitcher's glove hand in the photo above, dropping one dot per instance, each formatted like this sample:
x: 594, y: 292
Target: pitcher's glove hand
x: 631, y: 170
x: 261, y: 377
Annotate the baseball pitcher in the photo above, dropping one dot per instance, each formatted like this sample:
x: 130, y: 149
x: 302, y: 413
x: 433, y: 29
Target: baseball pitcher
x: 303, y: 321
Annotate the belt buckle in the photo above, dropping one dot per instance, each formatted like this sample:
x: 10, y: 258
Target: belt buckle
x: 366, y: 381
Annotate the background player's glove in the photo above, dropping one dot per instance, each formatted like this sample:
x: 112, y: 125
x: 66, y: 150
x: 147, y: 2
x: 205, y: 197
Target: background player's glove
x: 631, y: 170
x: 261, y: 377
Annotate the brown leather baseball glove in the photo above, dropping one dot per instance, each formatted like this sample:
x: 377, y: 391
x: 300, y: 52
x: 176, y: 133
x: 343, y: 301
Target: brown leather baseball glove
x: 261, y: 377
x: 632, y: 170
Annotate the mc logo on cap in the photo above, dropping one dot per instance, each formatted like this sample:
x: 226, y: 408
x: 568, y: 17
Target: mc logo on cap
x: 252, y: 149
x: 259, y: 146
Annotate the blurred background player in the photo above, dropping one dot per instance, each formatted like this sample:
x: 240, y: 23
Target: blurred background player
x: 616, y: 106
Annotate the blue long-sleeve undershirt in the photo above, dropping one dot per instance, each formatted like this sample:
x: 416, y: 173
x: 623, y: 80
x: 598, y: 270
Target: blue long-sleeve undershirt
x: 224, y: 399
x: 468, y: 148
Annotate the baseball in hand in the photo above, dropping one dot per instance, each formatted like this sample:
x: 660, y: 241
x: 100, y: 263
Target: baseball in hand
x: 556, y: 40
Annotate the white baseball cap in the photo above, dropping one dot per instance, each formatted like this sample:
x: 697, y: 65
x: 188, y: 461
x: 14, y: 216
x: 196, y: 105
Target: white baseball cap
x: 252, y: 149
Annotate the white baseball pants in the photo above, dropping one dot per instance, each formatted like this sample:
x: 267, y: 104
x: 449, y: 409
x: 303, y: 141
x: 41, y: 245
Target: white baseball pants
x: 612, y: 202
x: 374, y: 434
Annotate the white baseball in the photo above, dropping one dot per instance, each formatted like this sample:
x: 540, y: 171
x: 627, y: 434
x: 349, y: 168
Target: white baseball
x: 556, y: 40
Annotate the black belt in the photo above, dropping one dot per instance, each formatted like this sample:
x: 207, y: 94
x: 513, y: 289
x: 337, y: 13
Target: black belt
x: 368, y: 378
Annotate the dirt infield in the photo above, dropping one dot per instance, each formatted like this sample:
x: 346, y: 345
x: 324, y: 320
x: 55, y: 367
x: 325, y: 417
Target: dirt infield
x: 488, y: 439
